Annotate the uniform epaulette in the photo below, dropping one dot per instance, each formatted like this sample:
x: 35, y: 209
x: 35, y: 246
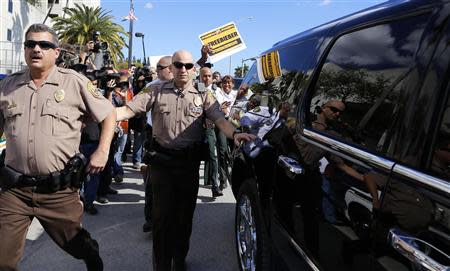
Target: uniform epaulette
x: 72, y: 72
x: 11, y: 77
x: 18, y: 73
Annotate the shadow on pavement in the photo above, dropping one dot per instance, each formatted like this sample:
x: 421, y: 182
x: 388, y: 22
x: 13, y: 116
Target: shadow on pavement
x: 123, y: 245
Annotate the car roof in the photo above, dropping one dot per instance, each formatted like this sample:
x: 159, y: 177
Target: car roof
x: 377, y: 12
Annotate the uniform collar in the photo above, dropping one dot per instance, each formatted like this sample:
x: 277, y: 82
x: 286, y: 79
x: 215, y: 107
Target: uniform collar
x: 25, y: 77
x: 52, y: 78
x: 171, y: 85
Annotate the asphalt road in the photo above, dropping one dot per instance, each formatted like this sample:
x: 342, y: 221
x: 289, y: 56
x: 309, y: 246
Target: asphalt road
x: 123, y: 245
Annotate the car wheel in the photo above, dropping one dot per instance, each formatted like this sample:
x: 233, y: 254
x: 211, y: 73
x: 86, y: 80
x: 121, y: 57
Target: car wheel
x: 252, y: 239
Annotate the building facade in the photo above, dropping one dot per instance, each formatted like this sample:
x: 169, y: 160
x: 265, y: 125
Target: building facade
x: 16, y: 16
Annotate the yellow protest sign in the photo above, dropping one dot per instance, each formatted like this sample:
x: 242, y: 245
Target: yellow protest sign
x: 270, y: 65
x: 223, y: 41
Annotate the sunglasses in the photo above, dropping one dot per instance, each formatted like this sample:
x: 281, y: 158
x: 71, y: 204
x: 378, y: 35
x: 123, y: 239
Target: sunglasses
x: 180, y: 65
x: 43, y: 44
x: 160, y: 67
x: 335, y: 109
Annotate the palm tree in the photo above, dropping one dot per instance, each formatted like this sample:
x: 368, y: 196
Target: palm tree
x: 82, y: 21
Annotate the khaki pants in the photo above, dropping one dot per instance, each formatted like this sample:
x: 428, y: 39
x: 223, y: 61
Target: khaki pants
x: 59, y: 213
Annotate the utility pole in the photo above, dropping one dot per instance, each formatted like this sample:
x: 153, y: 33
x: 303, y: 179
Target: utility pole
x: 130, y: 41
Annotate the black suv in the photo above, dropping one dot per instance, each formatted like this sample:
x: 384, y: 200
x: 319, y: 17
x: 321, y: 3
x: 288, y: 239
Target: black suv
x: 356, y: 175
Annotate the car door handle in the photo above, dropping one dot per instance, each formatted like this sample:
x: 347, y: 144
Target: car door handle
x: 408, y: 246
x: 291, y: 165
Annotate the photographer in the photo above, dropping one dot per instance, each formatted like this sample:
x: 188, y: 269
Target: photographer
x: 137, y: 124
x: 107, y: 77
x: 87, y: 56
x: 121, y: 94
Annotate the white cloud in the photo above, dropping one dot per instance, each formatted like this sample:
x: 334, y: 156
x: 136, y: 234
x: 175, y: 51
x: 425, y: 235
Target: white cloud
x: 148, y: 5
x: 325, y: 2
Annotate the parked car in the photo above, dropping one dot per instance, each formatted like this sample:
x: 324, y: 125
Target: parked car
x: 355, y: 176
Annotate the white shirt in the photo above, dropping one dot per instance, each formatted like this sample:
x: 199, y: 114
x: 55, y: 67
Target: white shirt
x: 222, y: 97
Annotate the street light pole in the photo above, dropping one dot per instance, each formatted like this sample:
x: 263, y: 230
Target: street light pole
x: 250, y: 18
x: 130, y: 41
x: 141, y: 35
x: 242, y: 64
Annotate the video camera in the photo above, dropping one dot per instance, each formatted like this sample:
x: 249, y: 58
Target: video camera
x: 146, y: 72
x: 103, y: 77
x: 98, y: 45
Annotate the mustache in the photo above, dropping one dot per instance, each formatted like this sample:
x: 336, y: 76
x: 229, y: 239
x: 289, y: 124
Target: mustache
x: 36, y: 55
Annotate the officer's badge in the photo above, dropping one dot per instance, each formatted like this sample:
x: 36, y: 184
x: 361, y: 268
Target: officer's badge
x: 93, y: 90
x: 59, y: 95
x: 198, y: 101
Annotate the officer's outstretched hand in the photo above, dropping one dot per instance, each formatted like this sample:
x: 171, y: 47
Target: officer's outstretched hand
x: 97, y: 162
x: 239, y: 137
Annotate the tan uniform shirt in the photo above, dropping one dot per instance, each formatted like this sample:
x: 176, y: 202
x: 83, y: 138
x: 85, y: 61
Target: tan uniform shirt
x: 312, y: 154
x: 43, y: 126
x: 177, y: 118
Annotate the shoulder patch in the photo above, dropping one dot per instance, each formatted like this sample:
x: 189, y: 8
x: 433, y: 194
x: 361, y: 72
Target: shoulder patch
x: 93, y: 90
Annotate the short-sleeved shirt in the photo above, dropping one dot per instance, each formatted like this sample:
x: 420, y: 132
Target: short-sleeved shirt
x: 177, y: 116
x: 43, y: 126
x: 222, y: 97
x: 312, y: 154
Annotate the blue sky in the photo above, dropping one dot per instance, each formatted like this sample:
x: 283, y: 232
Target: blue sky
x: 170, y: 25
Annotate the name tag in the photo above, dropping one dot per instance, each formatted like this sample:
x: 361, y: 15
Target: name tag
x: 197, y: 109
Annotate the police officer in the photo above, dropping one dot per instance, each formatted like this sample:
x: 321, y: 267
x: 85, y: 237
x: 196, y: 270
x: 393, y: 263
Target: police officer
x: 40, y: 112
x: 177, y: 114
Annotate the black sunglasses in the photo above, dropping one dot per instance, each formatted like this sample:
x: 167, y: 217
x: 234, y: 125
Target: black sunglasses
x: 180, y: 65
x: 43, y: 44
x: 160, y: 67
x: 335, y: 109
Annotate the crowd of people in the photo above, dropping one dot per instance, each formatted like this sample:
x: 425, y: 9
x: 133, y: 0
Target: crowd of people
x: 173, y: 116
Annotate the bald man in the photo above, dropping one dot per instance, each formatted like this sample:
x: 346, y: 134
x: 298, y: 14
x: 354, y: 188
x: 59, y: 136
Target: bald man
x: 177, y: 114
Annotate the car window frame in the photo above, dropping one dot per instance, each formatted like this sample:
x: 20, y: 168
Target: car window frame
x: 304, y: 115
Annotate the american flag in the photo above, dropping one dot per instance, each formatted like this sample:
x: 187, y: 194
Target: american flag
x: 130, y: 16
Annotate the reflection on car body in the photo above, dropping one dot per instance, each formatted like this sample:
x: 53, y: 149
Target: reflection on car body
x: 356, y: 177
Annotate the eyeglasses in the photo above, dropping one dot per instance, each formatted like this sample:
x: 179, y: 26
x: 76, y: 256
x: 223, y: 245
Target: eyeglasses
x: 43, y: 44
x: 335, y: 109
x: 179, y: 65
x: 160, y: 67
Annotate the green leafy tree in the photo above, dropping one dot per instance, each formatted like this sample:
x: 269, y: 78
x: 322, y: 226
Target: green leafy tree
x: 238, y: 71
x: 82, y: 21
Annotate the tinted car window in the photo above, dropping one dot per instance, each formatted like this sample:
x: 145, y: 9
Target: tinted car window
x: 440, y: 165
x: 367, y: 69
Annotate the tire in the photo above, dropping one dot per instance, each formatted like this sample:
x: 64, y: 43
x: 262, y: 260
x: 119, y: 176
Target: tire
x: 252, y: 240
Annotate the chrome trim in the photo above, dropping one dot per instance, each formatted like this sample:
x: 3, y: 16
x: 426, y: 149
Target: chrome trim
x: 408, y: 247
x: 337, y: 147
x: 246, y: 234
x: 342, y: 147
x: 290, y: 164
x: 303, y: 254
x: 298, y: 249
x: 423, y: 178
